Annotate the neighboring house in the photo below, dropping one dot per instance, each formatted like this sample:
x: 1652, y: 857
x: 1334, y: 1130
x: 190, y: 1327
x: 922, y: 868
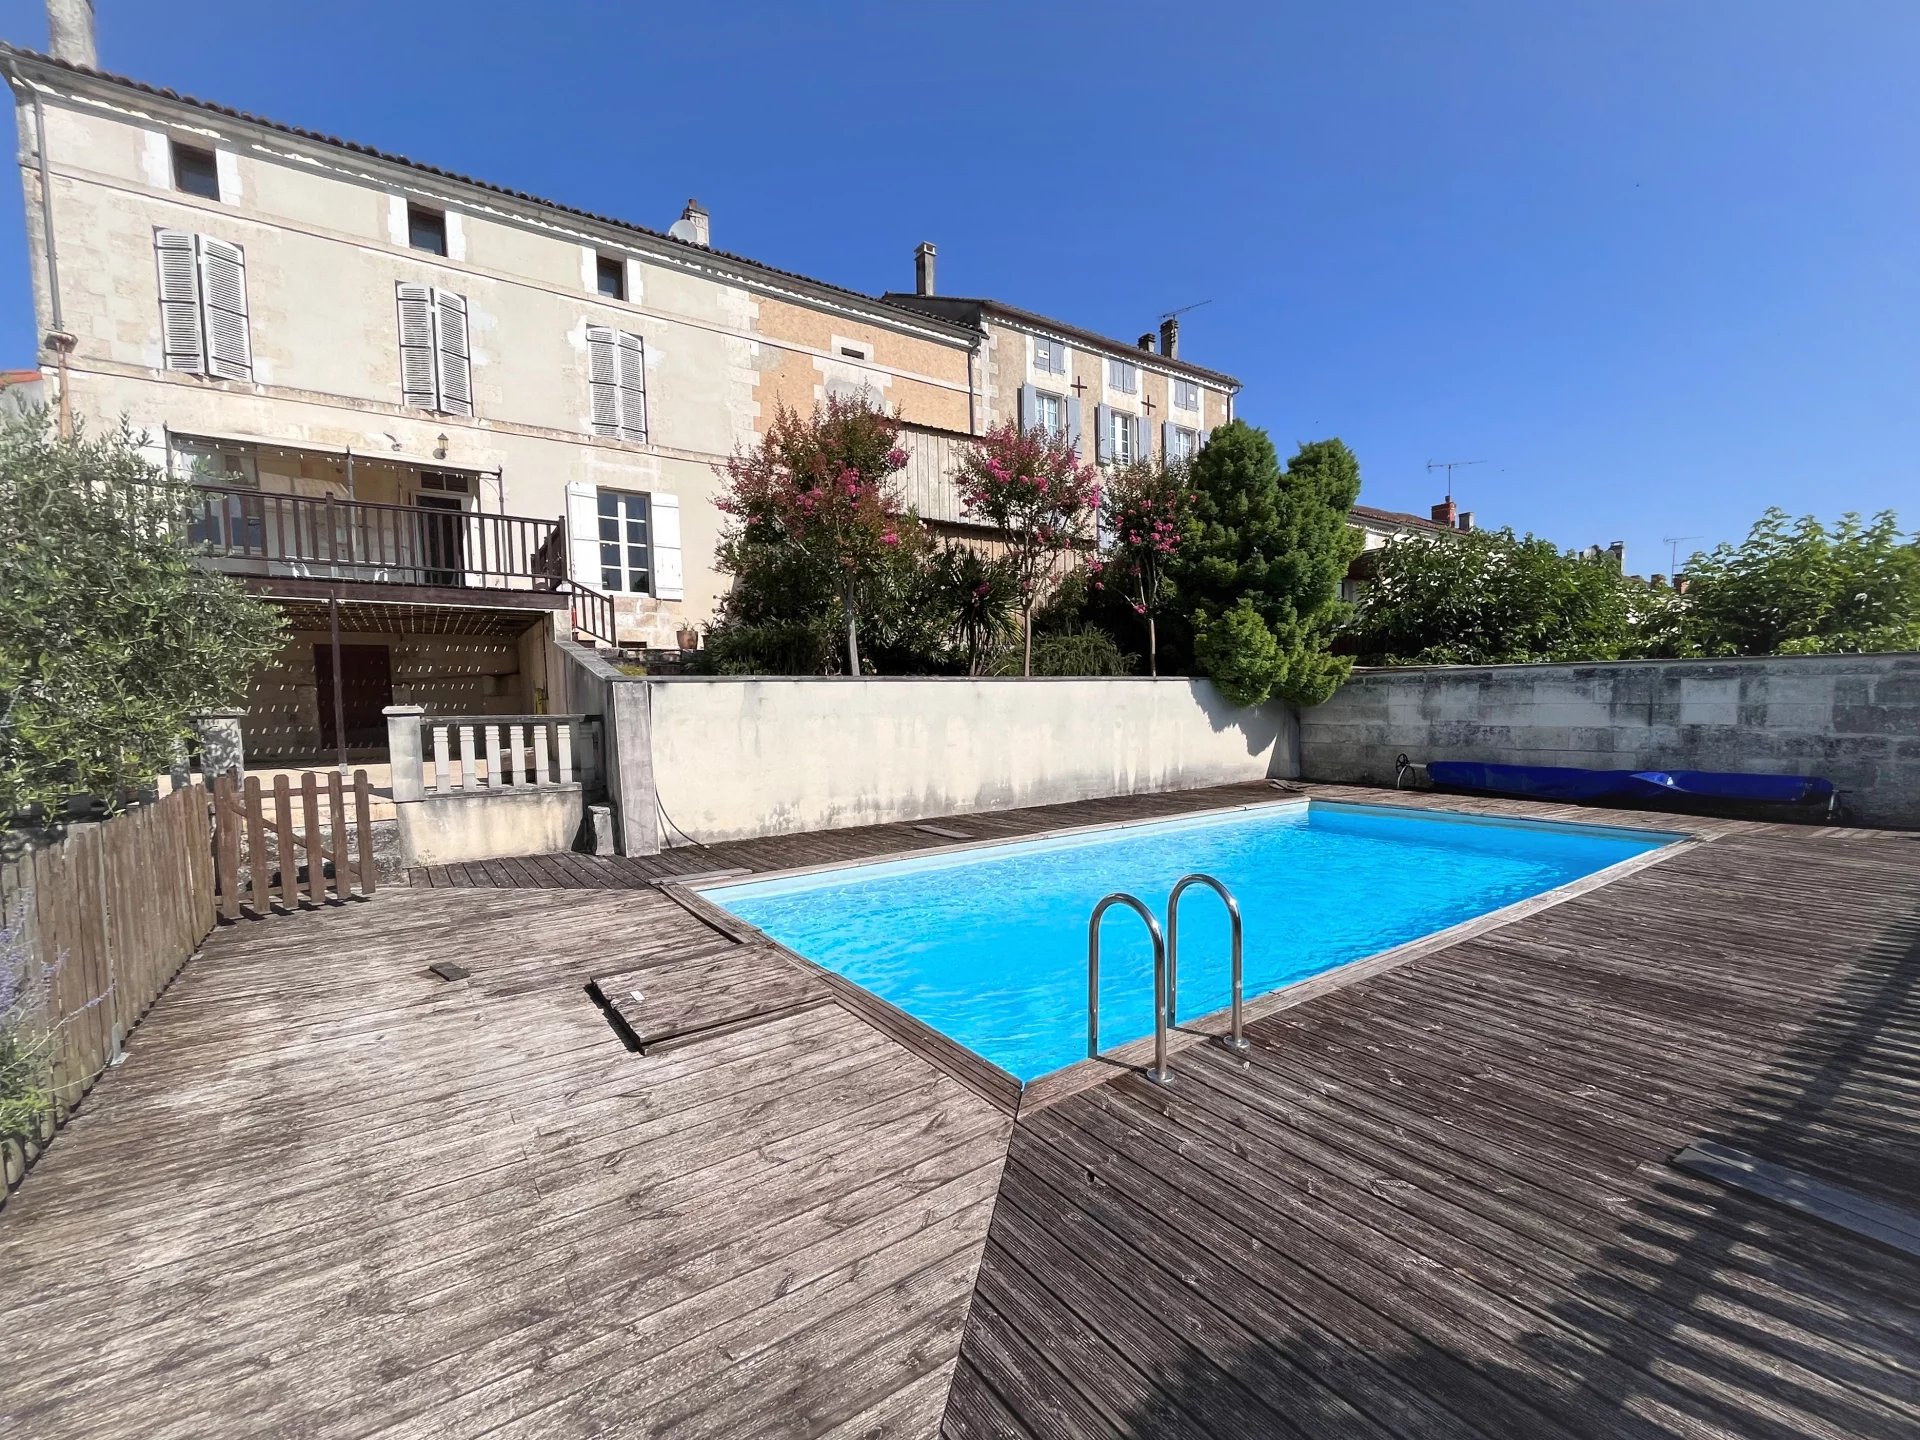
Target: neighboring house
x: 1117, y: 402
x: 433, y: 417
x: 1378, y: 526
x: 21, y: 391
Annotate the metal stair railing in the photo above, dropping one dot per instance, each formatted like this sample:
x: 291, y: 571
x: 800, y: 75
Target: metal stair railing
x: 1159, y: 1073
x: 1236, y: 1039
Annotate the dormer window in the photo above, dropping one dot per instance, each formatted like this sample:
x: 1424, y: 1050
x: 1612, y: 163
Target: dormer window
x: 610, y: 275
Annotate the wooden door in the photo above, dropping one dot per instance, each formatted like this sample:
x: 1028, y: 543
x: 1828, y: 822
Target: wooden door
x: 366, y: 689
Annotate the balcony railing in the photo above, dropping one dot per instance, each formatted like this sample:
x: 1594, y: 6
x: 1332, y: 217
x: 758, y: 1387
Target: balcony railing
x: 259, y: 532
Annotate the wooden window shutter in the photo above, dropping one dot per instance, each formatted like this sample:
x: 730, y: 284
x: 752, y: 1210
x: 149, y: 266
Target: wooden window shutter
x: 603, y: 381
x: 632, y: 359
x: 1166, y: 440
x: 669, y: 581
x: 1073, y: 425
x: 583, y: 533
x: 1103, y: 434
x: 1142, y: 438
x: 450, y: 343
x: 223, y: 309
x: 1028, y: 416
x: 418, y: 388
x: 181, y: 343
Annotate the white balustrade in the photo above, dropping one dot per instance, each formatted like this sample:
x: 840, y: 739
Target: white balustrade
x: 521, y: 751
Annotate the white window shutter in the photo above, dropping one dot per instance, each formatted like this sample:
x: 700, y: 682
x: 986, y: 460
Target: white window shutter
x: 1102, y: 435
x: 1142, y: 438
x: 450, y: 340
x: 1167, y: 446
x: 603, y: 381
x: 181, y: 344
x: 668, y: 577
x: 418, y: 389
x: 1028, y: 416
x: 633, y: 390
x: 1073, y: 425
x: 583, y: 533
x: 223, y: 295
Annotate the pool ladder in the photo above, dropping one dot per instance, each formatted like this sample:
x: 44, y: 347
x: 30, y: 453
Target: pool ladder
x: 1166, y: 969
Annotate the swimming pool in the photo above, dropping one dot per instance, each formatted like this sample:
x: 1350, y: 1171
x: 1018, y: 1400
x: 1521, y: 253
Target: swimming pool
x: 988, y: 944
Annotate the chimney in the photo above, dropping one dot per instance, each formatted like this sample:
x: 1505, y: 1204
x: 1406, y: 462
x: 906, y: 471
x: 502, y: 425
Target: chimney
x: 1170, y: 337
x: 70, y: 32
x: 923, y: 254
x: 1618, y: 550
x: 692, y: 225
x: 1145, y: 342
x: 1446, y: 513
x: 1466, y: 520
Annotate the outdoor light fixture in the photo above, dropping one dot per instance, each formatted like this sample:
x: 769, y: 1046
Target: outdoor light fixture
x: 440, y: 450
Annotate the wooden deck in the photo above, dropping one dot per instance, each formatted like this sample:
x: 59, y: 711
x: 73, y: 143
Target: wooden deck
x: 330, y: 1195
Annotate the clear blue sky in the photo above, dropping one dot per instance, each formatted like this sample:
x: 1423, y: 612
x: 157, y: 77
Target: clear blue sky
x: 1657, y: 262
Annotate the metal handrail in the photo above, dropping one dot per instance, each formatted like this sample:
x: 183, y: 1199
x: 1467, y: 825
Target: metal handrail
x: 1159, y: 1073
x: 1235, y: 1040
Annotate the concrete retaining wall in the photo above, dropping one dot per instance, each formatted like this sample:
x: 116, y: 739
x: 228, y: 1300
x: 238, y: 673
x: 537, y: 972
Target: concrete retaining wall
x: 1854, y: 719
x: 734, y: 758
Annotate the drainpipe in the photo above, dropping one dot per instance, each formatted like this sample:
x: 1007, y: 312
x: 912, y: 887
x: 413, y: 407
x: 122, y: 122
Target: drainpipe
x: 58, y: 340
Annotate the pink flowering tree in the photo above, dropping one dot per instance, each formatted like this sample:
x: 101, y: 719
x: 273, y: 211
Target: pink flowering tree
x: 823, y: 485
x: 1145, y: 513
x: 1030, y: 486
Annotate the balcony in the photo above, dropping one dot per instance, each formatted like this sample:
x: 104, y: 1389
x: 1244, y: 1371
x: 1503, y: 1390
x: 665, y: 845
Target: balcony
x: 320, y: 538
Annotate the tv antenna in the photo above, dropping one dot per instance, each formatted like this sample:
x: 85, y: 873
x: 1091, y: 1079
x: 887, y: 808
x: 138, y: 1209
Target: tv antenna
x: 1450, y: 466
x: 1176, y: 314
x: 1673, y: 544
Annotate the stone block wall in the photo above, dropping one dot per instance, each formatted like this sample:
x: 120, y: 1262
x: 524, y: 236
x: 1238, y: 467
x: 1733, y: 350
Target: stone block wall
x: 1854, y: 719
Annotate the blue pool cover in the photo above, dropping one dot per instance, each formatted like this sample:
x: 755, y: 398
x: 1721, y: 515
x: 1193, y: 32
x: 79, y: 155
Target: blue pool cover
x: 1566, y: 782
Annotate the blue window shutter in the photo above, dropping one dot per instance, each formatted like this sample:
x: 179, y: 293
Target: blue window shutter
x: 1166, y: 439
x: 1142, y: 439
x: 1028, y: 410
x: 1073, y: 425
x: 1103, y: 434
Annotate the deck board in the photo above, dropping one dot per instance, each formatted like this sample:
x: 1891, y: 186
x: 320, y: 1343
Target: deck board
x: 331, y: 1195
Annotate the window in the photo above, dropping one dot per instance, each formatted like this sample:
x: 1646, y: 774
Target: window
x: 610, y: 275
x: 442, y: 480
x: 436, y: 368
x: 203, y: 305
x: 195, y: 171
x: 855, y: 352
x: 1186, y: 395
x: 1183, y: 444
x: 617, y: 383
x: 624, y: 559
x: 1123, y: 436
x: 1049, y: 355
x: 1123, y: 377
x: 1050, y: 412
x: 426, y: 229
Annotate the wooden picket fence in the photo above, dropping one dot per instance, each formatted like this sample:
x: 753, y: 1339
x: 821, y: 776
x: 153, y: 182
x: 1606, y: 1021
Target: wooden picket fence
x: 107, y: 915
x: 244, y: 861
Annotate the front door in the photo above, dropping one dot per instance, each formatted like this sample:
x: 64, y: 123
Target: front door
x: 366, y: 689
x: 443, y: 540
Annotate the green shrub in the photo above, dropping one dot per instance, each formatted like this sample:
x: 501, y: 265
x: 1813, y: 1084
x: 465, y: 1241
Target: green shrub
x: 1237, y: 650
x: 1081, y: 651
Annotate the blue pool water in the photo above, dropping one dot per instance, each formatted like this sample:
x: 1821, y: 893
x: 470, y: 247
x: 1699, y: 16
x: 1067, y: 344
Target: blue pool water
x: 989, y: 946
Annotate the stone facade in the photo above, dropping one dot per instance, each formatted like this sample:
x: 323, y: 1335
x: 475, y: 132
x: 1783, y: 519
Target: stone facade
x: 1854, y: 719
x: 324, y: 232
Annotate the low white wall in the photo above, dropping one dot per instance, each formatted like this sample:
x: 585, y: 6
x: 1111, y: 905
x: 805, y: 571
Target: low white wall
x: 485, y: 825
x: 1854, y: 719
x: 734, y: 758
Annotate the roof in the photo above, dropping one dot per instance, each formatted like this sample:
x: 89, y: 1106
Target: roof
x: 14, y: 53
x: 1398, y: 519
x: 18, y: 377
x: 937, y: 304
